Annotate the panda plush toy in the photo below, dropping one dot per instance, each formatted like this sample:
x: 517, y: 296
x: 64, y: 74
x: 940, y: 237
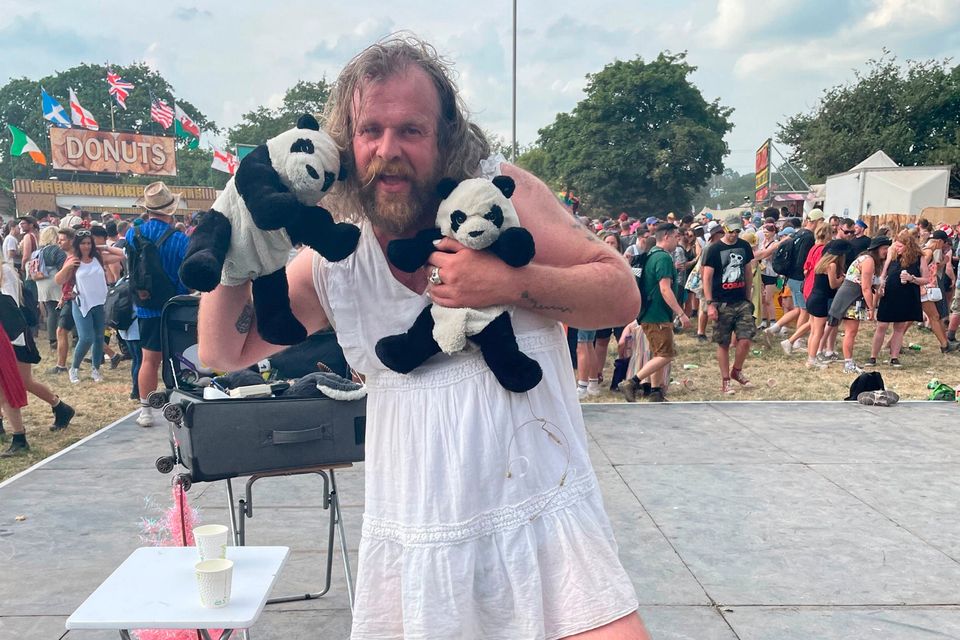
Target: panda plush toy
x: 266, y: 208
x: 478, y: 214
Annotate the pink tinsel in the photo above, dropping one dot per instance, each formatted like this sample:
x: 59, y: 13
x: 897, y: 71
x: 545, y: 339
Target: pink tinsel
x: 173, y: 529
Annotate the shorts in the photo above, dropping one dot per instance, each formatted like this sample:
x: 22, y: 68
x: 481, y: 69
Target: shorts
x: 734, y: 317
x: 796, y: 289
x: 768, y: 280
x: 65, y: 321
x: 955, y: 303
x: 149, y: 333
x: 659, y: 339
x: 604, y: 333
x: 583, y: 335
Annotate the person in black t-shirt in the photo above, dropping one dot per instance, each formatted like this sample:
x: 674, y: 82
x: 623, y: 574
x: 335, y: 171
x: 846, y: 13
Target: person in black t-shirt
x: 727, y: 278
x: 855, y: 234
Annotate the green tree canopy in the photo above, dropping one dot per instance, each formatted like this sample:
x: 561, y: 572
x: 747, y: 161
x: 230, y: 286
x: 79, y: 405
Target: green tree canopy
x: 20, y: 106
x: 910, y: 111
x: 263, y: 123
x: 643, y: 140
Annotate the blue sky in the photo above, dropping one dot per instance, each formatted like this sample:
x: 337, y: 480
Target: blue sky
x: 767, y: 60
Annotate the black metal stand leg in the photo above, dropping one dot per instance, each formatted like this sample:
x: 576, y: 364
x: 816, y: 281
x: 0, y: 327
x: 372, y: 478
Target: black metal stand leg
x: 234, y: 532
x: 335, y: 507
x: 224, y: 635
x: 125, y: 634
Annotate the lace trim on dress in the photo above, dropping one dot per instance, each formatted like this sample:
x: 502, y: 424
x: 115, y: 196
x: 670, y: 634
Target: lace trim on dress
x: 490, y: 166
x: 442, y: 376
x: 489, y: 522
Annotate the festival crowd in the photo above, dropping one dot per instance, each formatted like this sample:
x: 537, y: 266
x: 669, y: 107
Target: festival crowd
x: 827, y: 276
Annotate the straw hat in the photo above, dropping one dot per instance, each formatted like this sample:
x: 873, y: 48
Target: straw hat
x: 157, y: 198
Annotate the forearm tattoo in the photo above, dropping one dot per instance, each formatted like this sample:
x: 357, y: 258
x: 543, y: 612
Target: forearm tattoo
x: 245, y: 321
x: 532, y: 303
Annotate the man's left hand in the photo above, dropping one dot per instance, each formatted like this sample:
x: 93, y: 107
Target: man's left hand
x: 469, y: 278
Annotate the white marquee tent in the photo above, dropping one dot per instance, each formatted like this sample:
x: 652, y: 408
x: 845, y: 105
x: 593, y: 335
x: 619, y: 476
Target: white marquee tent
x: 879, y: 186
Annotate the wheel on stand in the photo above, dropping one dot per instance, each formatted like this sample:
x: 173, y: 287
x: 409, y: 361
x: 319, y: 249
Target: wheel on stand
x: 173, y: 412
x: 165, y: 464
x: 157, y: 399
x: 184, y: 481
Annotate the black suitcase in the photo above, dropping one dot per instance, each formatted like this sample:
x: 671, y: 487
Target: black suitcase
x: 226, y: 438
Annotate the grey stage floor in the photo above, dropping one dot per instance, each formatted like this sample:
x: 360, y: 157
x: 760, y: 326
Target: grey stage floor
x: 758, y: 521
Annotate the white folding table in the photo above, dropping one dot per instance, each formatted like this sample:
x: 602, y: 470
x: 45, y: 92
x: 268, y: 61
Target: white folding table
x: 156, y: 588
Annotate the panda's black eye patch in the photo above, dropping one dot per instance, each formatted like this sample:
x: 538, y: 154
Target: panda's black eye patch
x: 495, y: 215
x: 457, y: 218
x: 302, y: 145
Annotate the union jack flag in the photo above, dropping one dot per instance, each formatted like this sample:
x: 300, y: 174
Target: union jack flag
x: 119, y: 88
x: 161, y: 112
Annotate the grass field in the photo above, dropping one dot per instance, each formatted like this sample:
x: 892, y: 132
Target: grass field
x: 776, y: 376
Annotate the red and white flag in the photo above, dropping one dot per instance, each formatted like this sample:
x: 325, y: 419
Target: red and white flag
x: 119, y: 88
x: 80, y: 116
x: 161, y: 112
x: 224, y: 161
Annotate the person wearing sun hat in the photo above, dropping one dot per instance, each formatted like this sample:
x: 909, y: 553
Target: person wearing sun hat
x: 160, y: 204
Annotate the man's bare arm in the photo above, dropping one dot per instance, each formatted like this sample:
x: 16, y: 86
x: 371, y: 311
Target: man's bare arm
x: 706, y: 277
x: 227, y: 327
x: 574, y: 277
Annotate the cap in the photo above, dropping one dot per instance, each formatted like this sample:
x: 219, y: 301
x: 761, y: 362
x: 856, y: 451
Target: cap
x: 861, y: 224
x: 714, y: 227
x: 708, y: 215
x: 879, y: 241
x: 733, y: 222
x: 911, y: 225
x: 652, y: 220
x: 786, y: 231
x: 940, y: 235
x: 837, y: 247
x: 816, y: 214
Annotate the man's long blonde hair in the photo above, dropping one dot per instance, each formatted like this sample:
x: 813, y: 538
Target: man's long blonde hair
x: 461, y: 143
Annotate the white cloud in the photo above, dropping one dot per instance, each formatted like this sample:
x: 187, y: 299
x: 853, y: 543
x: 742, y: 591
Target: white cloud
x: 908, y: 14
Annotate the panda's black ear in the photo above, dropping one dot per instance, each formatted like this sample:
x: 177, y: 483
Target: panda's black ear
x: 307, y: 121
x: 505, y: 184
x: 445, y: 187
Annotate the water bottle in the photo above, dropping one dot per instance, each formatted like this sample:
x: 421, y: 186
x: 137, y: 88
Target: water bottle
x: 913, y: 346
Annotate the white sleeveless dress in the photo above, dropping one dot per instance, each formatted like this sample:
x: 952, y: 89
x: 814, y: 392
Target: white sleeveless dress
x: 468, y: 532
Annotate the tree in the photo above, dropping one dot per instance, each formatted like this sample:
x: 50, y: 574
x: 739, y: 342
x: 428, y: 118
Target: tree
x: 643, y: 140
x: 20, y: 106
x: 912, y: 112
x: 263, y: 123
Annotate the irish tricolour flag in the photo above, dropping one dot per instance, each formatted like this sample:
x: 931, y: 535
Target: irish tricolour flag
x: 22, y: 144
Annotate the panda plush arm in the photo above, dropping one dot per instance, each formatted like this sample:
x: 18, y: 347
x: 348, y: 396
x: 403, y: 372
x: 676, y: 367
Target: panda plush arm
x: 272, y: 206
x: 409, y: 254
x: 514, y: 246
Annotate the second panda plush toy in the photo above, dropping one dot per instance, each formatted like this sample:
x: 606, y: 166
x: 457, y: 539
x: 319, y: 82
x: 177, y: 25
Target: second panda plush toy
x: 478, y: 214
x: 266, y: 208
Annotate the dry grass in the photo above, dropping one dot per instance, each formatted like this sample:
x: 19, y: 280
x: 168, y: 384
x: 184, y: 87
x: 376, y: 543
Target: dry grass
x: 97, y: 405
x: 777, y: 376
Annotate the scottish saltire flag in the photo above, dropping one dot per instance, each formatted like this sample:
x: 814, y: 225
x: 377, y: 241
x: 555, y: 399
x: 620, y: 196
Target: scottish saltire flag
x: 119, y: 88
x: 80, y: 116
x: 52, y: 110
x: 23, y: 144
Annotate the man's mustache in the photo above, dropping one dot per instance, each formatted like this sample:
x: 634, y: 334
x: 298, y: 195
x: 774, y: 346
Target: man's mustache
x: 379, y: 167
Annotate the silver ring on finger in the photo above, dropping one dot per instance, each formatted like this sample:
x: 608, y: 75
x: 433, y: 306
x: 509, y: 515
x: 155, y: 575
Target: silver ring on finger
x: 435, y: 276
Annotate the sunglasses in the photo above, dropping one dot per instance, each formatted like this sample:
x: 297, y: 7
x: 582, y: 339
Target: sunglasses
x: 83, y: 233
x: 847, y: 232
x: 728, y: 230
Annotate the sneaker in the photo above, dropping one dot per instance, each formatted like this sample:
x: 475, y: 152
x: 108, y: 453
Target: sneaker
x: 16, y: 448
x: 62, y: 415
x: 134, y: 395
x: 772, y: 329
x: 951, y: 347
x: 656, y: 396
x: 95, y: 375
x: 701, y: 337
x: 800, y: 344
x: 74, y: 376
x: 593, y: 388
x: 629, y: 390
x: 763, y: 325
x: 737, y: 374
x: 871, y: 362
x: 725, y: 387
x: 851, y: 367
x: 115, y: 360
x: 895, y: 363
x: 878, y: 398
x: 833, y: 356
x: 816, y: 363
x: 785, y: 331
x: 55, y: 370
x: 145, y: 419
x: 787, y: 346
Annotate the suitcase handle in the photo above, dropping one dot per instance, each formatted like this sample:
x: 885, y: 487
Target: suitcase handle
x: 295, y: 437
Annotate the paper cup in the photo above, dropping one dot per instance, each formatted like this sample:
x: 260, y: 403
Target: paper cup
x: 211, y: 541
x: 214, y: 578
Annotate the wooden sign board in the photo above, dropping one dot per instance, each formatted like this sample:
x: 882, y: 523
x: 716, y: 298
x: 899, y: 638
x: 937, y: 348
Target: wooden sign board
x: 112, y: 152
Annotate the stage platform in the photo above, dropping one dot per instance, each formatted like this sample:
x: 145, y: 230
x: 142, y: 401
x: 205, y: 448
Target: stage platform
x: 750, y: 521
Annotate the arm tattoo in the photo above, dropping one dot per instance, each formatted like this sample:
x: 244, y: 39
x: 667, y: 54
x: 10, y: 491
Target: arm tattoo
x: 533, y: 304
x: 245, y: 320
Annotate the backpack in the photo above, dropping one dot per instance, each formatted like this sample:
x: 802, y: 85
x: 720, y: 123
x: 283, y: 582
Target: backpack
x: 869, y: 381
x: 637, y: 263
x: 118, y: 309
x: 149, y: 283
x: 785, y: 257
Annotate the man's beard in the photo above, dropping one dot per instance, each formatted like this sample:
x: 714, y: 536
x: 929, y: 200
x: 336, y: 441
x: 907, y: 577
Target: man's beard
x: 396, y: 213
